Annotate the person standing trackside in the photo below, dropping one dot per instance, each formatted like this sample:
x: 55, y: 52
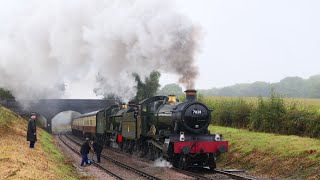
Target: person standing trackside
x: 32, y: 131
x: 97, y: 148
x: 85, y: 148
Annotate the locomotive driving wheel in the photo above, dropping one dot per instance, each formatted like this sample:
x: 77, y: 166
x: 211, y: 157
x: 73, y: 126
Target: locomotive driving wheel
x: 150, y: 153
x: 183, y: 161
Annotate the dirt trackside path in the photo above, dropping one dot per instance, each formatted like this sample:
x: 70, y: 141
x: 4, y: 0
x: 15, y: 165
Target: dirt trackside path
x: 18, y: 161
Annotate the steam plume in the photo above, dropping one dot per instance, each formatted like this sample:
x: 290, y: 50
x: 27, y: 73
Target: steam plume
x: 46, y: 43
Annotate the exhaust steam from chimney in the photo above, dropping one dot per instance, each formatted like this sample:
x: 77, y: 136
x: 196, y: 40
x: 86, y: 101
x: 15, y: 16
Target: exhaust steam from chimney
x: 45, y: 44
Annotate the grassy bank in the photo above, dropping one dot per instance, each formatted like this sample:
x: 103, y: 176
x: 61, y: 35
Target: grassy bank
x: 18, y: 161
x: 275, y: 155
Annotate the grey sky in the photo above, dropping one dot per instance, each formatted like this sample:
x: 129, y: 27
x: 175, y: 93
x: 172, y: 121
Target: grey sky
x: 253, y: 40
x: 244, y: 41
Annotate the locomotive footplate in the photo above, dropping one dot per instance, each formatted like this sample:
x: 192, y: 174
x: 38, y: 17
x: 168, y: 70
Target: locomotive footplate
x: 199, y: 144
x: 201, y: 147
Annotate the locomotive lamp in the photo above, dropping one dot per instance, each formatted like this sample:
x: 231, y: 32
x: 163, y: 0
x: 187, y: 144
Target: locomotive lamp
x: 217, y: 137
x: 182, y: 136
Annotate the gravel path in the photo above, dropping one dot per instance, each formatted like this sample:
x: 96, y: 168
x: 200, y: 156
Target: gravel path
x: 87, y: 172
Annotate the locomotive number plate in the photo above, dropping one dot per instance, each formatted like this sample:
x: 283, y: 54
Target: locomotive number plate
x: 196, y: 111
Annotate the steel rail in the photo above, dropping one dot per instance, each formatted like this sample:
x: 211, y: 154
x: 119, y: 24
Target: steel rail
x: 125, y: 166
x: 234, y: 176
x: 195, y: 175
x: 97, y: 165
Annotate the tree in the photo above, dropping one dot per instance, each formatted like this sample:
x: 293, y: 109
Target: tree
x: 171, y: 89
x: 149, y: 87
x: 292, y: 87
x: 4, y: 94
x: 288, y: 87
x: 314, y: 86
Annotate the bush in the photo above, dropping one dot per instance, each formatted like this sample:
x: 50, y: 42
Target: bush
x: 232, y: 113
x: 313, y: 127
x: 269, y: 114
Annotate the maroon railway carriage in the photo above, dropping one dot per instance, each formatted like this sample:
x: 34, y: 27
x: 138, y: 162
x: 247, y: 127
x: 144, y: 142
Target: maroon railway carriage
x: 85, y: 125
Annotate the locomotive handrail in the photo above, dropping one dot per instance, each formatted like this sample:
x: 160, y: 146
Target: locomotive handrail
x: 115, y: 116
x: 164, y: 112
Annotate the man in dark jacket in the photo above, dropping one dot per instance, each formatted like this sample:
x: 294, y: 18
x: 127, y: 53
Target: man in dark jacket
x: 85, y: 148
x: 32, y: 131
x: 97, y: 148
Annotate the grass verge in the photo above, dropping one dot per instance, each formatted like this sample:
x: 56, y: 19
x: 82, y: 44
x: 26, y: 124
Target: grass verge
x: 280, y: 156
x: 18, y: 161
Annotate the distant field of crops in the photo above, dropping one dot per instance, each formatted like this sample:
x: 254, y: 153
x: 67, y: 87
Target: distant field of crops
x: 272, y: 114
x: 254, y: 100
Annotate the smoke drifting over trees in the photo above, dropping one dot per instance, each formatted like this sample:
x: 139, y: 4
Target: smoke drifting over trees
x: 47, y: 43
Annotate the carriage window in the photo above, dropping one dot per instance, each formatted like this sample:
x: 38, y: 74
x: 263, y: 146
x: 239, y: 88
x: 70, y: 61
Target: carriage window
x: 91, y: 121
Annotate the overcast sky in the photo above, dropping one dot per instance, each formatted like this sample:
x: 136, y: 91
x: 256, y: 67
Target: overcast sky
x: 245, y: 41
x: 254, y: 40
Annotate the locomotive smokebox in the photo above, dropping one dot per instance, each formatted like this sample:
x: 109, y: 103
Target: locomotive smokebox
x: 191, y: 94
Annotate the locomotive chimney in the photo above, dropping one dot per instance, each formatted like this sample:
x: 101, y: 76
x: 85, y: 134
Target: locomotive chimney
x: 191, y: 94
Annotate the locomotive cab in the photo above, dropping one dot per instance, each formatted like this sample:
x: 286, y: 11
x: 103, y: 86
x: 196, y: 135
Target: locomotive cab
x: 147, y: 111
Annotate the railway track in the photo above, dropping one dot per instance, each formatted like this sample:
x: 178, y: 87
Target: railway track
x: 188, y: 173
x: 233, y: 176
x: 191, y: 174
x: 120, y: 164
x: 201, y: 177
x: 97, y: 165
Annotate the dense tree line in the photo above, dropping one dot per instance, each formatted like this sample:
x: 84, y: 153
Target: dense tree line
x: 288, y: 87
x: 5, y: 94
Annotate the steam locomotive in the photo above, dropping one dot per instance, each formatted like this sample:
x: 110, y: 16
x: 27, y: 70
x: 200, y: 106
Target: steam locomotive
x: 160, y: 126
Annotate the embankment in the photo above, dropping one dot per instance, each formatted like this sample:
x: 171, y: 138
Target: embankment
x: 18, y: 161
x: 291, y: 157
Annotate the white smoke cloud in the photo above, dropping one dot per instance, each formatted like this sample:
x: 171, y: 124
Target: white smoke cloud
x: 160, y: 162
x: 46, y: 43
